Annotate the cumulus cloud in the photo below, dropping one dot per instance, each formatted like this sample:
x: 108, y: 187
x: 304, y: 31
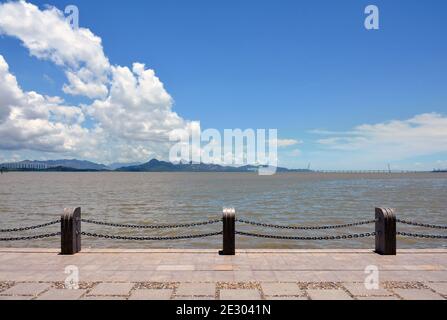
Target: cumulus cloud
x: 32, y: 121
x: 138, y: 107
x: 47, y: 35
x: 423, y: 134
x: 131, y: 110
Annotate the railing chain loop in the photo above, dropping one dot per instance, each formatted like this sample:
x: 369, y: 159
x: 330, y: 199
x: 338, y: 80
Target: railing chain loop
x: 191, y: 236
x: 38, y: 236
x: 338, y: 237
x: 420, y: 235
x: 418, y: 224
x: 31, y: 227
x: 306, y: 227
x: 151, y: 226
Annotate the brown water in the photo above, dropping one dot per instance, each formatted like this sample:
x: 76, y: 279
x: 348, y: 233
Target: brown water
x: 295, y: 198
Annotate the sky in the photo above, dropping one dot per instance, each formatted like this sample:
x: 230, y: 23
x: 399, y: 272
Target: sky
x: 340, y: 96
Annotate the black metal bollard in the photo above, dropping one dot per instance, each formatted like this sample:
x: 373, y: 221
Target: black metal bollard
x: 385, y: 231
x: 228, y: 232
x: 71, y: 231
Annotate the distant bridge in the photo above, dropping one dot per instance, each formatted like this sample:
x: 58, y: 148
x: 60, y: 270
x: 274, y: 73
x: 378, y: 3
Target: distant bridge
x: 367, y: 171
x: 30, y: 165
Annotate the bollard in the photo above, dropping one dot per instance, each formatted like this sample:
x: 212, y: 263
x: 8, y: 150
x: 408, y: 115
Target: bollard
x: 71, y: 231
x: 385, y: 231
x: 228, y: 232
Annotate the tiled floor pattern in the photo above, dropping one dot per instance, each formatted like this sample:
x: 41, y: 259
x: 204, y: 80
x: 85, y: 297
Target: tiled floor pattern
x: 224, y: 291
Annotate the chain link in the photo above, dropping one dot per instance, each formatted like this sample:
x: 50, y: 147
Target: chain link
x: 306, y: 227
x: 191, y: 236
x: 152, y: 226
x: 339, y: 237
x: 419, y: 235
x: 31, y: 227
x: 38, y: 236
x: 418, y: 224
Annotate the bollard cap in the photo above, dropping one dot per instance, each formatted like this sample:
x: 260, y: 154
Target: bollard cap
x: 228, y: 211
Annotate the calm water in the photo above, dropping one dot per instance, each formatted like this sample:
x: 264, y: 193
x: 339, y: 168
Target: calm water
x: 138, y: 198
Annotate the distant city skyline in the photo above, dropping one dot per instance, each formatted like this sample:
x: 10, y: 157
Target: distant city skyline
x: 341, y: 96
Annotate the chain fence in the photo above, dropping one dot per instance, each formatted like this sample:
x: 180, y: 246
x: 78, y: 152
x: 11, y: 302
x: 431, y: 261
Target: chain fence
x: 418, y: 224
x: 33, y: 237
x: 420, y: 235
x: 37, y: 226
x: 358, y: 223
x: 337, y: 237
x: 189, y: 236
x: 215, y: 221
x: 151, y: 226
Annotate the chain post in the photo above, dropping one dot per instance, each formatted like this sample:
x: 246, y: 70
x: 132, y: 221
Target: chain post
x: 229, y: 232
x: 385, y: 231
x: 71, y: 231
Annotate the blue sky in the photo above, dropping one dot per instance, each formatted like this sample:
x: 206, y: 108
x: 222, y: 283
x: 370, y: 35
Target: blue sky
x: 308, y: 68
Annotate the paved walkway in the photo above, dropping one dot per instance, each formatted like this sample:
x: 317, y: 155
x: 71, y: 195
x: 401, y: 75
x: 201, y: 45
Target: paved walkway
x: 203, y: 274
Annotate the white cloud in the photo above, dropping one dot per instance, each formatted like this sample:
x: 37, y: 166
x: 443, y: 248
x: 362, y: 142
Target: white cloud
x: 423, y: 134
x: 32, y: 121
x: 131, y: 109
x: 47, y: 35
x: 138, y: 107
x: 282, y: 143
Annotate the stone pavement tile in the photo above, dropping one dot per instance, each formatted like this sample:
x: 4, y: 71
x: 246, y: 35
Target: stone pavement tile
x: 196, y: 289
x: 27, y: 289
x: 418, y: 294
x: 378, y: 298
x: 192, y: 298
x: 175, y: 267
x: 281, y: 289
x: 151, y: 294
x: 111, y: 289
x: 103, y: 298
x: 15, y: 298
x: 328, y: 294
x: 286, y: 298
x: 358, y: 289
x: 439, y: 287
x: 264, y: 275
x: 240, y: 294
x: 287, y: 276
x: 243, y: 276
x: 62, y: 294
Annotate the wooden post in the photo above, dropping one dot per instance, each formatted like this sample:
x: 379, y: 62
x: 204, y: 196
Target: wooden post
x: 228, y: 232
x: 385, y: 231
x: 71, y: 231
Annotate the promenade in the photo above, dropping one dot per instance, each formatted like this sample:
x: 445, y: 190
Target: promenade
x: 203, y: 274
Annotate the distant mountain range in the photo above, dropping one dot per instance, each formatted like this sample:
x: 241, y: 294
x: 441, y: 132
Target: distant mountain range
x: 153, y: 165
x: 116, y: 165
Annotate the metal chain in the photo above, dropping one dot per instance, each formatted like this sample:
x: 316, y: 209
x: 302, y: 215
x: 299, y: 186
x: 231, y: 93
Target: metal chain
x: 96, y: 235
x: 306, y: 227
x: 39, y: 236
x: 419, y: 235
x: 418, y: 224
x: 152, y: 226
x: 31, y: 227
x: 339, y: 237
